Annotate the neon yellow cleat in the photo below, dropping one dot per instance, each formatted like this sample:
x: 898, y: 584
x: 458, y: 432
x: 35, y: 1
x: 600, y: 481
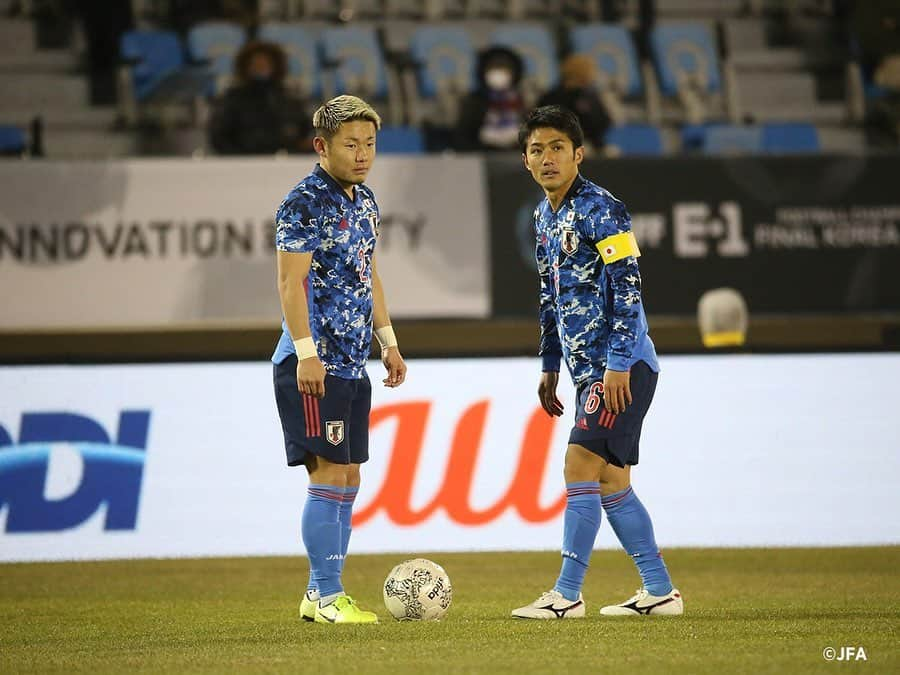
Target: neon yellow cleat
x: 308, y: 607
x: 344, y: 610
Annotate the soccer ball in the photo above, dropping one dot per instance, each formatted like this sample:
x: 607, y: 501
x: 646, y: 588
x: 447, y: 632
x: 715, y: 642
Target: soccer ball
x: 417, y: 590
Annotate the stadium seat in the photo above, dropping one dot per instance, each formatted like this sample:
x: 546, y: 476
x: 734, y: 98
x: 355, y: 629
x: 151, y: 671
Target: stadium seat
x: 613, y: 51
x: 355, y: 63
x: 215, y: 44
x: 302, y: 55
x: 444, y: 71
x: 689, y: 70
x: 445, y: 59
x: 685, y: 52
x: 729, y: 139
x: 150, y: 57
x: 636, y: 139
x: 618, y: 69
x: 12, y: 140
x: 355, y: 56
x: 534, y: 43
x: 154, y: 81
x: 790, y: 137
x: 405, y: 140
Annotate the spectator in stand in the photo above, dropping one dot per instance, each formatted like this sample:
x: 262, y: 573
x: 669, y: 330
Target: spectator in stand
x: 490, y: 116
x: 103, y: 24
x: 876, y: 27
x: 577, y: 92
x: 258, y: 115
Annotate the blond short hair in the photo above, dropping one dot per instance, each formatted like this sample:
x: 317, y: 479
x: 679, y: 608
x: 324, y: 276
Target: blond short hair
x: 330, y: 116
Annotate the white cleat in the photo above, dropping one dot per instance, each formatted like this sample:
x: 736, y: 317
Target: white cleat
x: 643, y: 604
x: 551, y: 605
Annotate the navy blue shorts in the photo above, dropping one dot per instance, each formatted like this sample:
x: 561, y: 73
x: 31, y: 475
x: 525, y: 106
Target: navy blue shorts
x: 615, y: 438
x: 335, y: 427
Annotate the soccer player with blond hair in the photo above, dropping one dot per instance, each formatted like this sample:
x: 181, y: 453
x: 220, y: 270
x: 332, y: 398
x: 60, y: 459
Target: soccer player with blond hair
x: 331, y: 298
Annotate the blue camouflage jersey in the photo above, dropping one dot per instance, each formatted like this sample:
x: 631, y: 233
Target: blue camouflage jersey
x: 317, y: 216
x: 591, y: 311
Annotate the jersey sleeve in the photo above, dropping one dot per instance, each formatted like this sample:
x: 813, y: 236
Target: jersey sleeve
x: 608, y: 228
x: 551, y: 348
x: 297, y: 226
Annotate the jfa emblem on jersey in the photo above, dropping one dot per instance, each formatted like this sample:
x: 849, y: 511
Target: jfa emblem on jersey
x: 569, y: 240
x: 334, y: 432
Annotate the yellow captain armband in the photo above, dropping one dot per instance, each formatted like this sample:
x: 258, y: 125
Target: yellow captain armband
x: 617, y: 247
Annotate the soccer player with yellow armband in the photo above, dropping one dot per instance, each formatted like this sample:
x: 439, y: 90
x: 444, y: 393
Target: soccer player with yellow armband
x: 592, y: 317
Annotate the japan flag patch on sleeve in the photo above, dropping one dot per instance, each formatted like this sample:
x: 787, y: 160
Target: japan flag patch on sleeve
x: 617, y: 247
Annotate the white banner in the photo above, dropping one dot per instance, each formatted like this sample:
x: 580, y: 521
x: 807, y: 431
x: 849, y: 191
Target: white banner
x: 150, y: 242
x: 187, y: 460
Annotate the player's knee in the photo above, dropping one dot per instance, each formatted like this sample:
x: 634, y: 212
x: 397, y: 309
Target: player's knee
x: 323, y: 472
x: 614, y: 479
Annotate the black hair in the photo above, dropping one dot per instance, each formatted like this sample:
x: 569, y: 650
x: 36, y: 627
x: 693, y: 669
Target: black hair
x: 552, y: 117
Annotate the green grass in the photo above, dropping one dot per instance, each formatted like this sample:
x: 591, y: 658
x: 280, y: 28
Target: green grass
x: 748, y: 610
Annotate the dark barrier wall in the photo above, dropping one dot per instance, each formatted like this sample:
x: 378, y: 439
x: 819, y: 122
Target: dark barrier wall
x: 793, y: 234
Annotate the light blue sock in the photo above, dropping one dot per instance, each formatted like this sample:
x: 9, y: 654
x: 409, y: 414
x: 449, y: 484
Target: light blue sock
x: 346, y: 520
x: 321, y: 528
x: 632, y: 525
x: 582, y: 520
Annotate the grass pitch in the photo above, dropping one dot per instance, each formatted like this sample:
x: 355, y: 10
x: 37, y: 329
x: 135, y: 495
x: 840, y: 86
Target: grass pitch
x: 748, y: 610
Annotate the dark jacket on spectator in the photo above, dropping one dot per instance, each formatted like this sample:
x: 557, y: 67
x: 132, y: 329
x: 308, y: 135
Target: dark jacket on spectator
x: 486, y: 104
x: 259, y: 116
x: 576, y: 91
x: 586, y: 105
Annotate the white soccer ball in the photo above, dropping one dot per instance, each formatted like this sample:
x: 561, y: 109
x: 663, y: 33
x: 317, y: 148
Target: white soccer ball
x: 417, y: 590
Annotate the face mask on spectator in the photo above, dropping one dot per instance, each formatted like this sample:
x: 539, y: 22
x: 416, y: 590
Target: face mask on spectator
x: 498, y: 79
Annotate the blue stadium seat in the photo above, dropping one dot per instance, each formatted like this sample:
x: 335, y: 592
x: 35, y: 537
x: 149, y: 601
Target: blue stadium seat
x: 407, y: 140
x: 302, y: 54
x: 636, y: 139
x: 790, y: 137
x: 216, y: 43
x: 613, y: 51
x: 444, y: 54
x: 730, y: 139
x: 12, y: 140
x: 154, y: 54
x: 684, y: 49
x: 356, y: 56
x: 536, y: 47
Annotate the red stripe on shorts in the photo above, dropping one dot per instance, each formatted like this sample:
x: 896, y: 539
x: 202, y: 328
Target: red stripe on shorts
x: 317, y: 429
x: 306, y: 412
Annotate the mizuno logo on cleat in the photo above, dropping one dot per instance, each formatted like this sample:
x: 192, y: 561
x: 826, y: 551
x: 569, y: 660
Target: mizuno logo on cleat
x: 561, y: 613
x: 646, y: 609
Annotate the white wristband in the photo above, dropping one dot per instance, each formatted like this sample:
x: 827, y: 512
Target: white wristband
x: 386, y: 337
x: 305, y: 348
